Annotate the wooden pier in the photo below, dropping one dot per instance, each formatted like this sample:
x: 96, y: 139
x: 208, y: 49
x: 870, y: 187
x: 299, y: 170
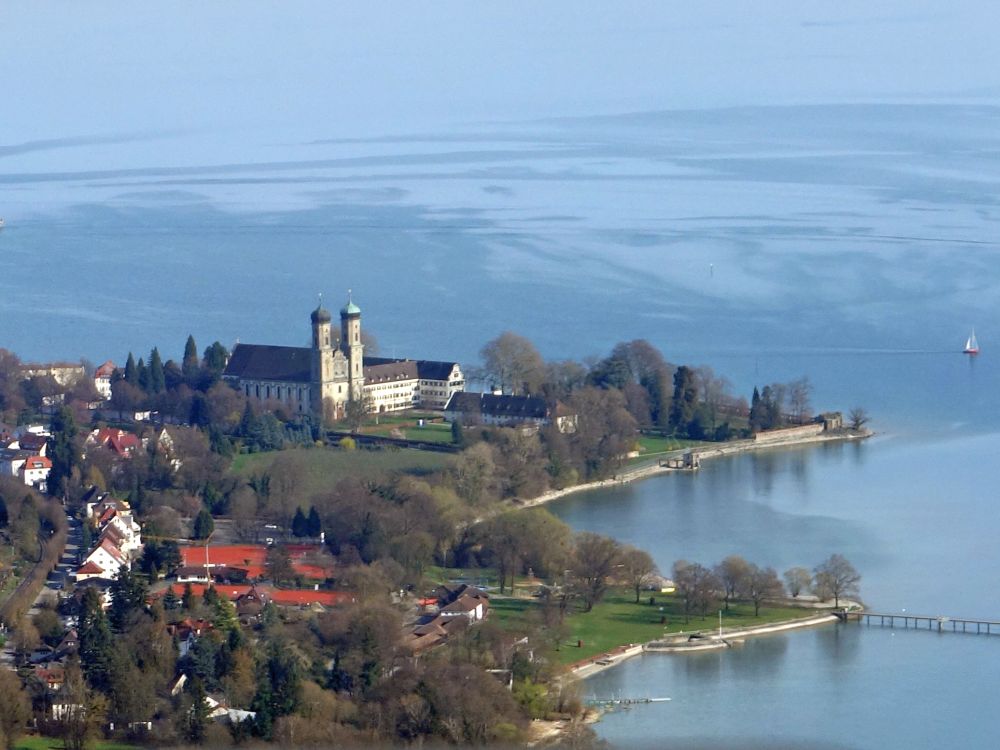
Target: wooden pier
x: 938, y: 624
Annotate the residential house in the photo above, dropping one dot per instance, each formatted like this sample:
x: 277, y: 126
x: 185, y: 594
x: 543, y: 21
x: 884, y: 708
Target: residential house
x: 507, y: 411
x: 35, y: 472
x: 121, y: 443
x: 102, y: 379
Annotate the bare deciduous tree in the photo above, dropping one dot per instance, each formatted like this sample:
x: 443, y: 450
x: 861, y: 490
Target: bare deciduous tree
x: 797, y: 580
x: 835, y: 577
x: 761, y: 584
x: 637, y: 568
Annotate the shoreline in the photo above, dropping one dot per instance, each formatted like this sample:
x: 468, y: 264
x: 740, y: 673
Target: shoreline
x: 678, y: 644
x: 704, y: 453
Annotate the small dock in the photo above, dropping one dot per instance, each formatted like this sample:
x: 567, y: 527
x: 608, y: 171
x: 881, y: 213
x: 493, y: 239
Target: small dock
x: 939, y: 624
x: 616, y: 702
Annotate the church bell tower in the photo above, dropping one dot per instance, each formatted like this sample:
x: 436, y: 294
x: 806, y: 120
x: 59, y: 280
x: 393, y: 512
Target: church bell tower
x: 322, y: 374
x: 351, y: 346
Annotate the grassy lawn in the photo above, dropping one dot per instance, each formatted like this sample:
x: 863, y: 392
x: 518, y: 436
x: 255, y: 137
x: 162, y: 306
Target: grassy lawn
x: 321, y: 468
x: 618, y: 621
x: 430, y: 433
x: 52, y: 743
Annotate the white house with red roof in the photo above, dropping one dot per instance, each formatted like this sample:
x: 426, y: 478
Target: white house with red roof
x: 35, y: 471
x: 119, y: 442
x: 104, y: 562
x: 102, y: 379
x: 120, y: 537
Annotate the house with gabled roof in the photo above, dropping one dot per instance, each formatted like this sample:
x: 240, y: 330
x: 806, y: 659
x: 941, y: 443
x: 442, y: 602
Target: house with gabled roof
x: 507, y: 411
x: 102, y: 379
x: 104, y: 562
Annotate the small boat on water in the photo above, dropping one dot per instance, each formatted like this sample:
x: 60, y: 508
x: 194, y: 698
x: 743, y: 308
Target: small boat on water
x: 971, y: 345
x: 1, y: 222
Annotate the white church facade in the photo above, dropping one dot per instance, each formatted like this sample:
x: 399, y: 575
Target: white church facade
x: 321, y: 379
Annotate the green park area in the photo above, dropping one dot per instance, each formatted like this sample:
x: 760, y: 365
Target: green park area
x: 618, y: 621
x: 318, y: 469
x: 52, y: 743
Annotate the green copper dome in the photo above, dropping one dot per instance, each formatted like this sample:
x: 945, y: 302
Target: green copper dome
x: 350, y: 309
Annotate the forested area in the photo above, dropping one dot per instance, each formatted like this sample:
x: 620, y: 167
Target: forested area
x: 344, y: 675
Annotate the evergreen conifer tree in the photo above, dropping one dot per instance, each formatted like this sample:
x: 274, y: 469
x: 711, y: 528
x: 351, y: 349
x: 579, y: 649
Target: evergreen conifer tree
x: 96, y: 642
x: 203, y: 526
x: 190, y: 364
x: 62, y: 453
x: 170, y: 600
x: 187, y: 598
x: 299, y: 524
x: 141, y: 375
x: 131, y: 374
x: 314, y: 526
x: 215, y: 358
x: 157, y: 380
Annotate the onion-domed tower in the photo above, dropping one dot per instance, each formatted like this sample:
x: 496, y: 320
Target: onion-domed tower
x: 322, y: 374
x: 351, y: 346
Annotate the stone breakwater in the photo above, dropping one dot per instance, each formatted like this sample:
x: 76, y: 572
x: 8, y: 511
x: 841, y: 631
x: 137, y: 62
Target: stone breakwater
x: 683, y: 644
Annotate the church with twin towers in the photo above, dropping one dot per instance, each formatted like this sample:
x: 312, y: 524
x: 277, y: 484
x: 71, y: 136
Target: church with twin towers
x: 322, y: 378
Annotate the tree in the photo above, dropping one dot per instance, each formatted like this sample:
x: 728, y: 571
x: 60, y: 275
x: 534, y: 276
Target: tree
x: 797, y: 580
x: 756, y: 418
x: 314, y: 525
x: 203, y: 525
x: 798, y: 398
x: 761, y: 584
x: 131, y: 375
x: 215, y: 358
x: 732, y: 574
x: 355, y: 412
x: 685, y: 399
x: 364, y: 642
x: 187, y: 598
x: 279, y: 564
x: 128, y: 595
x: 190, y: 365
x: 194, y: 713
x: 594, y: 561
x: 63, y: 451
x: 637, y: 568
x: 82, y: 709
x: 513, y: 364
x: 835, y: 577
x: 299, y: 523
x: 696, y: 586
x: 96, y: 642
x: 25, y: 640
x: 157, y: 379
x: 473, y: 471
x: 171, y: 600
x: 15, y: 708
x: 859, y: 417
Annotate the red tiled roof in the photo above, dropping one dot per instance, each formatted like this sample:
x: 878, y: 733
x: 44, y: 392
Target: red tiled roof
x: 108, y: 546
x: 106, y: 370
x: 37, y: 462
x: 252, y: 558
x: 90, y: 568
x: 284, y: 597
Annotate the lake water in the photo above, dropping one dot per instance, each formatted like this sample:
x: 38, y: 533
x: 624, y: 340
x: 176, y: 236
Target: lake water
x: 853, y: 243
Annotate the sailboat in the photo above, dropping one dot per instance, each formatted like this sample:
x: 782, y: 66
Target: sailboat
x: 971, y: 345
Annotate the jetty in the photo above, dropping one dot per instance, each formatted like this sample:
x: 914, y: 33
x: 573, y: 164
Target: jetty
x: 616, y: 702
x: 939, y: 623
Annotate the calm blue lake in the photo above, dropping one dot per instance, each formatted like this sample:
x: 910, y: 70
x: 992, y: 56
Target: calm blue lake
x: 855, y: 244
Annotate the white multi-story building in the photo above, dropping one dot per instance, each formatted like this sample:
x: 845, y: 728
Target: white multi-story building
x: 321, y: 379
